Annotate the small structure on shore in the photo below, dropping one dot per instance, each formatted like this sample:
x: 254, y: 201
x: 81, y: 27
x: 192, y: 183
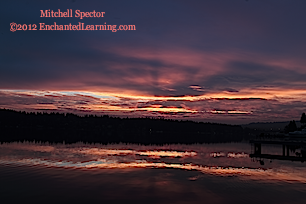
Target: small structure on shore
x: 301, y: 134
x: 292, y: 141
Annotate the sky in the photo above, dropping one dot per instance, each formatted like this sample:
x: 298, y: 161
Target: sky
x: 235, y: 62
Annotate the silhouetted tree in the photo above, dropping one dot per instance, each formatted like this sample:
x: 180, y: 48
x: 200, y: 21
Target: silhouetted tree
x: 291, y: 127
x: 303, y: 119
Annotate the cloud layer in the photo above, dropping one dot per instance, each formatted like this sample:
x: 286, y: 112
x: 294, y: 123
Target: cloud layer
x: 244, y: 60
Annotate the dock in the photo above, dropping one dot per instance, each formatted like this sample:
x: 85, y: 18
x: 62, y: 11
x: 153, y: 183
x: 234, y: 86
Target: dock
x: 285, y: 143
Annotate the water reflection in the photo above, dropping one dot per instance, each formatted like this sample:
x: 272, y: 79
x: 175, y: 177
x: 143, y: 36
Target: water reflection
x: 230, y: 154
x: 150, y: 153
x: 218, y: 160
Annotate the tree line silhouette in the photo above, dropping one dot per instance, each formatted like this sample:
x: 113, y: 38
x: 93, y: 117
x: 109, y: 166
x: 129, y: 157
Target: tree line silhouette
x: 71, y: 128
x: 291, y: 127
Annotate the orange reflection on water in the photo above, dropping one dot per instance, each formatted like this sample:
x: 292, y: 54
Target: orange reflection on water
x: 243, y: 173
x: 156, y: 154
x: 237, y: 155
x: 80, y: 156
x: 167, y: 153
x: 230, y: 155
x: 217, y: 154
x: 97, y: 151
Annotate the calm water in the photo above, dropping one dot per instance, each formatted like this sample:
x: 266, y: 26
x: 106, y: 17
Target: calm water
x: 206, y: 173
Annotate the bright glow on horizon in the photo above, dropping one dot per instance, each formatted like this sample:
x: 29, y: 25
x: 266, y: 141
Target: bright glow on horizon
x: 246, y: 102
x: 264, y: 93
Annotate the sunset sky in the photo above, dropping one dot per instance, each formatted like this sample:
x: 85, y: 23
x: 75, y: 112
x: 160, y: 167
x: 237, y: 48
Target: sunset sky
x: 225, y: 61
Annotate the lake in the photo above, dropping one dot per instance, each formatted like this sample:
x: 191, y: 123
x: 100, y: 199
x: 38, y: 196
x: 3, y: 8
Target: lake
x: 129, y: 173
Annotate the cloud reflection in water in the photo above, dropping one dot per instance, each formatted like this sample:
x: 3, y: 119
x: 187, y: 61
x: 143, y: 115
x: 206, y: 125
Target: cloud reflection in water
x: 194, y: 157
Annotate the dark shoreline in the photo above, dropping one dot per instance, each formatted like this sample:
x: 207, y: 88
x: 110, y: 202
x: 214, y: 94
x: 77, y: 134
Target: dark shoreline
x: 71, y: 128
